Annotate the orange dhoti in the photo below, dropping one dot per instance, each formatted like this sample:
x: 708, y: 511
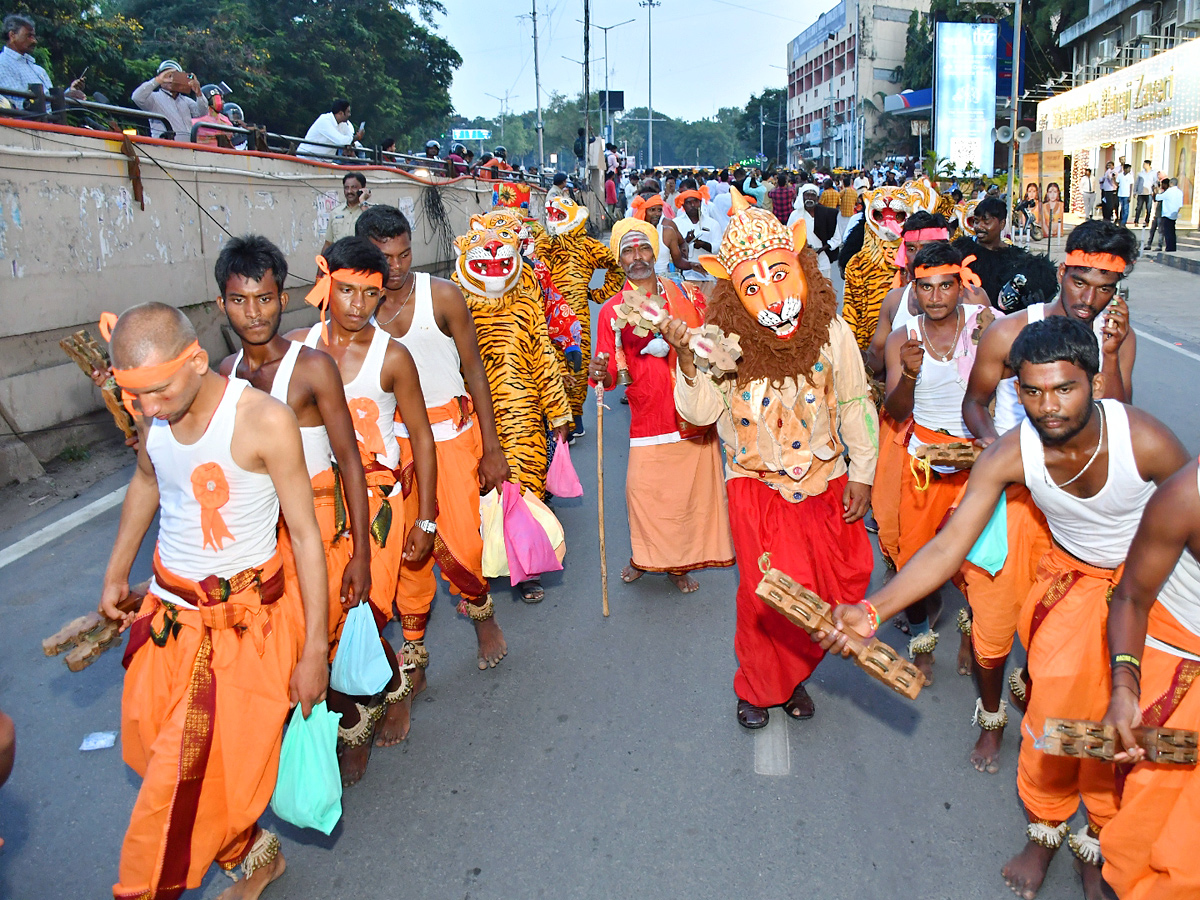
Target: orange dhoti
x: 885, y: 492
x: 678, y: 514
x: 996, y: 600
x: 202, y: 714
x: 333, y: 520
x: 927, y: 497
x: 1152, y: 848
x: 1062, y: 626
x: 458, y: 546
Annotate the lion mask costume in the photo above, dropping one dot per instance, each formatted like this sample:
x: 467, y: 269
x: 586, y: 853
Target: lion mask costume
x: 770, y: 295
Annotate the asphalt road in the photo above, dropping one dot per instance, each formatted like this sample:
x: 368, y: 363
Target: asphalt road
x: 601, y: 759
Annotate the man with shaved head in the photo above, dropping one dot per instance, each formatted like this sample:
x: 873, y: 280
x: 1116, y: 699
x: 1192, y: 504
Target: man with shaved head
x: 223, y: 645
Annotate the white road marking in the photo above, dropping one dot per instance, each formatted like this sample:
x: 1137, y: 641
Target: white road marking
x: 772, y: 756
x: 1188, y: 353
x: 45, y: 535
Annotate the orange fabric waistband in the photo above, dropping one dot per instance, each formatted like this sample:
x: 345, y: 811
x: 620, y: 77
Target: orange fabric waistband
x: 459, y: 411
x: 226, y: 602
x: 1063, y: 559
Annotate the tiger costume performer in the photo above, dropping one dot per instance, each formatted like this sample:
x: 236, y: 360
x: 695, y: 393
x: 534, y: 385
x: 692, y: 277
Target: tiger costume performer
x: 871, y: 271
x: 572, y: 257
x: 505, y: 300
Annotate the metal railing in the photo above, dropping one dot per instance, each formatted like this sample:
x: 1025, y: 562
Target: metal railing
x: 57, y: 108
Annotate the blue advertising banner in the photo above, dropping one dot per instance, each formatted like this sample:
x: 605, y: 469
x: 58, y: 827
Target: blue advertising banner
x: 964, y: 94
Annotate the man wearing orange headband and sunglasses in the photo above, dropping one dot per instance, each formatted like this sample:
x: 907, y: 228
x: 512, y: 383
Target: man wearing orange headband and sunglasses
x: 927, y: 362
x: 224, y: 642
x: 1098, y: 255
x: 379, y: 380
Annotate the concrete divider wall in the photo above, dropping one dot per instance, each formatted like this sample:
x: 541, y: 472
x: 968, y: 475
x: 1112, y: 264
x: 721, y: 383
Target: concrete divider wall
x: 75, y: 243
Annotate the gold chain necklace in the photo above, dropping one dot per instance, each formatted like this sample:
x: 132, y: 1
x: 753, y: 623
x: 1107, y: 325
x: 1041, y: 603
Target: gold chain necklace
x: 413, y: 276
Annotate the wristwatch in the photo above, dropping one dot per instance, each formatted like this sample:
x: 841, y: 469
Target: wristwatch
x: 426, y: 525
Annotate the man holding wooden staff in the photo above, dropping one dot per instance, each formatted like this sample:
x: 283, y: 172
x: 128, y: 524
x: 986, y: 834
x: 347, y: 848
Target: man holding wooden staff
x: 797, y: 403
x: 674, y: 490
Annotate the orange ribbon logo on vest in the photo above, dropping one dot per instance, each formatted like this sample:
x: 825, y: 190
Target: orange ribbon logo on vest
x: 365, y: 413
x: 212, y: 492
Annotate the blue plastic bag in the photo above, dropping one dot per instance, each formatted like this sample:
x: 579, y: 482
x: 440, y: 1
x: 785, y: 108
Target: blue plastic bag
x: 308, y: 790
x: 360, y: 667
x: 991, y: 549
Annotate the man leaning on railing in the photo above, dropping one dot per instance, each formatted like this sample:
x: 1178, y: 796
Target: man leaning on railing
x: 167, y: 94
x: 18, y: 69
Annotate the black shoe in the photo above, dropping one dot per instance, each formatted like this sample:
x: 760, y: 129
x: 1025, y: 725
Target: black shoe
x: 800, y: 706
x: 751, y: 716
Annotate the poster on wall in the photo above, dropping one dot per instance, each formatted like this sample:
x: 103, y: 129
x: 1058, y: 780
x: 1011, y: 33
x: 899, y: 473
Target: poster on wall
x: 964, y: 94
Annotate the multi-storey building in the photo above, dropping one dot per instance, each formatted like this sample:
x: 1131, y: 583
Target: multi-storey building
x: 1136, y: 91
x: 850, y: 54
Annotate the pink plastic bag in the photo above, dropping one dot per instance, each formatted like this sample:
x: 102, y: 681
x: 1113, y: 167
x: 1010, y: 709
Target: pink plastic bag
x: 561, y: 479
x: 528, y: 549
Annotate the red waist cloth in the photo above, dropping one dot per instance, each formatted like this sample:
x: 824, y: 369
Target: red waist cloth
x: 813, y: 544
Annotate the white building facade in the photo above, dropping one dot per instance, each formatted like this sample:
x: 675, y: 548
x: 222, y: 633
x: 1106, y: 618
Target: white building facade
x: 1136, y: 67
x: 848, y: 55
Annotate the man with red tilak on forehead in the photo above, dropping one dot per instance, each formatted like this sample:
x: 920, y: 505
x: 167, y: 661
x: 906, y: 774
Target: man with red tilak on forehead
x: 674, y: 491
x: 798, y: 403
x: 223, y: 643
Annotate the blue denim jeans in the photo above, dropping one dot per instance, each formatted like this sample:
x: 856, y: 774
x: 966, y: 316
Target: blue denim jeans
x: 1124, y: 209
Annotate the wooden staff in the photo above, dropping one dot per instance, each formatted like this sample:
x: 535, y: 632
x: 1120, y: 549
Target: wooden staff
x: 600, y: 493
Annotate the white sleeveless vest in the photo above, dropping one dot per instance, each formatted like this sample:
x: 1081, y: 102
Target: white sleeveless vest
x: 234, y: 528
x: 1099, y: 529
x: 318, y: 455
x: 366, y: 387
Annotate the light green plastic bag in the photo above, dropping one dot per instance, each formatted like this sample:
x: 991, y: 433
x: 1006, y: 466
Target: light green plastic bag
x: 991, y: 549
x: 308, y: 791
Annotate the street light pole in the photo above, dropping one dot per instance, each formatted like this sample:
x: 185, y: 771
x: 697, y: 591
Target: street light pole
x: 607, y: 114
x: 650, y: 5
x: 537, y: 89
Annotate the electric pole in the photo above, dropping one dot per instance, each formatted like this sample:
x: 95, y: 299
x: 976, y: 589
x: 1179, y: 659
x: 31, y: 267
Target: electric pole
x: 650, y: 5
x: 606, y: 125
x: 537, y: 90
x: 587, y: 90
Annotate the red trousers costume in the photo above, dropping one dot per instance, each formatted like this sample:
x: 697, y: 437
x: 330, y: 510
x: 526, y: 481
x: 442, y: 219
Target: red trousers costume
x: 809, y: 541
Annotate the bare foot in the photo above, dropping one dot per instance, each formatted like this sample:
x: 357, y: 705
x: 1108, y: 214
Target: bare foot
x: 1094, y: 886
x: 394, y: 727
x: 985, y: 755
x: 924, y: 662
x: 352, y: 763
x: 965, y: 654
x: 685, y: 582
x: 1026, y: 871
x: 251, y: 888
x: 492, y: 647
x: 630, y: 574
x: 398, y: 718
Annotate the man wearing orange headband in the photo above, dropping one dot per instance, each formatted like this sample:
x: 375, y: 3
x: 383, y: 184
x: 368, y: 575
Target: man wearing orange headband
x: 928, y: 362
x: 1091, y: 467
x: 1087, y: 294
x: 379, y: 381
x: 650, y: 207
x: 226, y: 640
x: 430, y: 317
x: 674, y: 488
x: 695, y: 232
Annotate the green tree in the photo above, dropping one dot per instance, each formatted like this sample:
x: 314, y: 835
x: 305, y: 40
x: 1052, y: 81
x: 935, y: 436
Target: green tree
x: 764, y: 108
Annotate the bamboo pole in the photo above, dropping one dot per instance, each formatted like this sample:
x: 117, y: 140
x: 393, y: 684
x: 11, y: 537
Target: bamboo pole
x: 600, y: 495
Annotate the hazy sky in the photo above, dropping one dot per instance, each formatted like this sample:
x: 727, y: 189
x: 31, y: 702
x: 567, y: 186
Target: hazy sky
x: 707, y: 53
